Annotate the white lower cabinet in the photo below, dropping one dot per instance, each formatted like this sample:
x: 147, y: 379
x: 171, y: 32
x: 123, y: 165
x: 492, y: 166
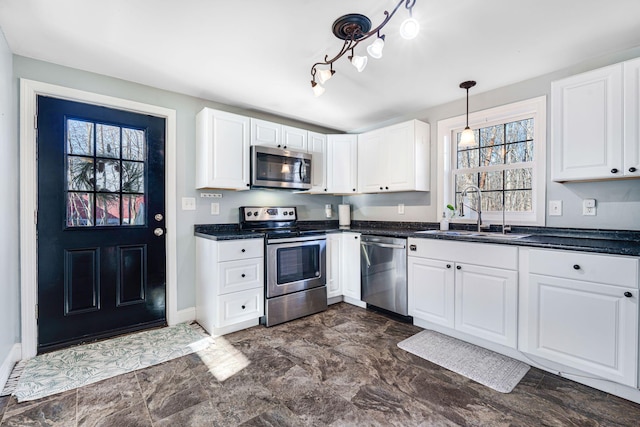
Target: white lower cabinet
x: 470, y: 287
x: 229, y: 284
x: 343, y: 266
x: 582, y: 312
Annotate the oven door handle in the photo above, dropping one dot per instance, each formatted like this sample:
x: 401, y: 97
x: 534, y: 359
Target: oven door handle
x: 295, y: 239
x: 383, y: 245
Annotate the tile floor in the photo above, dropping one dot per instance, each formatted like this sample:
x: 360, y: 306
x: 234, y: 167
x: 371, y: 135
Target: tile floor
x: 338, y: 368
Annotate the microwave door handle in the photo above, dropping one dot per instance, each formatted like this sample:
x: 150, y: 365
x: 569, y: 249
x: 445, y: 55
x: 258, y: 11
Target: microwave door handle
x: 303, y: 170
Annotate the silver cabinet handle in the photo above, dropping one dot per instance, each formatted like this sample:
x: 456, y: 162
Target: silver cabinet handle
x: 158, y: 231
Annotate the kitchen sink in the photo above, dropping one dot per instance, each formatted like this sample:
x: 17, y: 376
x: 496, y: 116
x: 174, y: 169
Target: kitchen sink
x: 480, y: 234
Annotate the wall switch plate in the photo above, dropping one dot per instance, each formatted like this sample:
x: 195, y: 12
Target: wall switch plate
x: 555, y: 207
x: 589, y: 207
x: 401, y: 208
x: 215, y: 208
x: 188, y: 203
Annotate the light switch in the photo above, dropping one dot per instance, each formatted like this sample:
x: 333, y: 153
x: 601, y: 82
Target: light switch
x: 401, y: 208
x: 555, y: 207
x: 215, y: 208
x: 188, y: 203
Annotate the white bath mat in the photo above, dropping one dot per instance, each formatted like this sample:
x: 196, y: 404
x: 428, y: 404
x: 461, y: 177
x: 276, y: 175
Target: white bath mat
x: 486, y: 367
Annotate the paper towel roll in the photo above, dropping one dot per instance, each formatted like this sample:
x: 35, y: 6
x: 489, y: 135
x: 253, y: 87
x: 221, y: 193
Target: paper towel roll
x: 344, y: 215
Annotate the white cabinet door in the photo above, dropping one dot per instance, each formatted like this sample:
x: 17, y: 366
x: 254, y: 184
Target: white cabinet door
x: 294, y: 139
x: 486, y: 303
x: 587, y: 125
x: 342, y: 164
x: 317, y: 147
x: 222, y: 150
x: 334, y: 257
x: 431, y: 290
x: 632, y: 118
x: 266, y: 133
x: 588, y: 326
x: 395, y: 158
x: 350, y: 267
x: 372, y: 172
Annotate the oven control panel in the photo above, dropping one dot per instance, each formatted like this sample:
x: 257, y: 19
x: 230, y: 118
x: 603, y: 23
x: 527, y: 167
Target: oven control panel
x: 254, y: 214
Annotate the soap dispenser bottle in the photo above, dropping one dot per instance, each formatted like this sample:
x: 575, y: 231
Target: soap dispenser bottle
x: 444, y: 222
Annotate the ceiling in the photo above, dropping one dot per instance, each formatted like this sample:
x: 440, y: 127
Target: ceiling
x: 257, y: 54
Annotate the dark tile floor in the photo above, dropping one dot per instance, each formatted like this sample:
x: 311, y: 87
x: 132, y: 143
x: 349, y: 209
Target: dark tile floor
x: 338, y: 368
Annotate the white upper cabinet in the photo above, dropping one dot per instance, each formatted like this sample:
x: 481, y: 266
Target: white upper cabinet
x: 276, y: 135
x: 595, y: 120
x: 342, y: 164
x: 317, y: 147
x: 631, y: 147
x: 395, y: 158
x: 222, y: 150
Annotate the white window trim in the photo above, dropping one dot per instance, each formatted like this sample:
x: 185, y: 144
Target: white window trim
x: 536, y: 108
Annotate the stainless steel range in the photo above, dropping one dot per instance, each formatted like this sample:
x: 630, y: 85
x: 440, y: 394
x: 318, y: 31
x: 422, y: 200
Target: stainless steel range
x: 295, y: 272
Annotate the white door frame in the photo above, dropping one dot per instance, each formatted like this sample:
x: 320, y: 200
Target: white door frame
x: 29, y: 90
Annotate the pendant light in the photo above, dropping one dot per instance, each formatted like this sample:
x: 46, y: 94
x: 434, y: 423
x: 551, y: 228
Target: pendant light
x: 468, y: 138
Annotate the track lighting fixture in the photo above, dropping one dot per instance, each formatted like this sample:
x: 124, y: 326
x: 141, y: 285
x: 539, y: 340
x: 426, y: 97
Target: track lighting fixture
x: 354, y: 28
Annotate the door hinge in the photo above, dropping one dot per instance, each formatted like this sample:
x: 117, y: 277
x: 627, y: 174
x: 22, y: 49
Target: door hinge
x: 37, y: 312
x: 35, y: 121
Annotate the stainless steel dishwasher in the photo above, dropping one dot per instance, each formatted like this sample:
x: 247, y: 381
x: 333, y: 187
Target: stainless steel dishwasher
x: 383, y: 272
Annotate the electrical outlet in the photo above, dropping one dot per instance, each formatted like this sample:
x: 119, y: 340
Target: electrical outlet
x: 215, y: 208
x: 555, y: 207
x: 188, y: 203
x: 589, y: 207
x: 401, y: 208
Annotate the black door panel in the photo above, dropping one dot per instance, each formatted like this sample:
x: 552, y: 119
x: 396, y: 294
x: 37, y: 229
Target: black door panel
x: 101, y: 268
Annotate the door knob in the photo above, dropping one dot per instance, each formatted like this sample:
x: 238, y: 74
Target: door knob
x: 158, y: 231
x: 158, y: 217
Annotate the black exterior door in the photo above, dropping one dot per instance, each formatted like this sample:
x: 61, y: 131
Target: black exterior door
x: 101, y: 206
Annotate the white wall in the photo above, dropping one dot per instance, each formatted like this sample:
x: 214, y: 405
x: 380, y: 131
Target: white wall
x: 618, y: 201
x: 186, y: 109
x: 9, y: 225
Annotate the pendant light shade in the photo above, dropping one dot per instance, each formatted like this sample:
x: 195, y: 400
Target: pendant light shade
x: 375, y: 49
x: 359, y: 62
x: 409, y: 29
x: 324, y: 75
x: 468, y: 138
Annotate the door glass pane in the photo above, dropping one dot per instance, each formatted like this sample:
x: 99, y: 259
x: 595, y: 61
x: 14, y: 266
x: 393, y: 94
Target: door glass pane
x: 133, y: 144
x: 133, y: 209
x: 79, y: 209
x: 132, y: 177
x: 107, y: 209
x: 107, y: 141
x: 107, y: 175
x: 80, y: 173
x: 79, y: 137
x: 102, y: 188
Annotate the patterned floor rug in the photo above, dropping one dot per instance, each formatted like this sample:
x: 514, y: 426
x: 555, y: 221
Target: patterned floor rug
x: 73, y: 367
x: 486, y: 367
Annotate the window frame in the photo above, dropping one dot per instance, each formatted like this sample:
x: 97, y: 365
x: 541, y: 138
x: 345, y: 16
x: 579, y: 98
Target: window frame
x: 535, y: 108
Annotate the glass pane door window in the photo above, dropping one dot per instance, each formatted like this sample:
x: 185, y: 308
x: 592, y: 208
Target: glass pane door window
x: 105, y: 174
x: 298, y: 263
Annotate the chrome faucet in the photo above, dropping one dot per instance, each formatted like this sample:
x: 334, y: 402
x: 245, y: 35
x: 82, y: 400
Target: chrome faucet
x: 478, y: 205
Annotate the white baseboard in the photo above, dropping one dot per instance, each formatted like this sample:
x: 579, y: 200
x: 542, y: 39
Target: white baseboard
x: 12, y: 358
x: 184, y: 316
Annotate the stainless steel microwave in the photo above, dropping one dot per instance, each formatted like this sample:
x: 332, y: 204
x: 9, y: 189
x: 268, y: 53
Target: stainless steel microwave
x: 277, y: 168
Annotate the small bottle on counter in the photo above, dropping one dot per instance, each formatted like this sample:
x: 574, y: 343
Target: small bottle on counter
x: 444, y: 222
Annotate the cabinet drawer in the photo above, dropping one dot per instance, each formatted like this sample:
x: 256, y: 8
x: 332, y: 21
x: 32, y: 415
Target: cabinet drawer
x: 606, y: 269
x: 484, y: 254
x: 240, y: 275
x: 240, y: 249
x: 240, y: 306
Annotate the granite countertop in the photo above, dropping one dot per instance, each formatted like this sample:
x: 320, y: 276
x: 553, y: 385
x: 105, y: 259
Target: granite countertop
x: 617, y: 242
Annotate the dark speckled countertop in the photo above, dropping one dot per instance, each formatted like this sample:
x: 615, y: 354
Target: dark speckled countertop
x: 618, y: 242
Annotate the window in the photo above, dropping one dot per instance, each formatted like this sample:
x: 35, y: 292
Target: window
x: 105, y: 174
x: 507, y: 163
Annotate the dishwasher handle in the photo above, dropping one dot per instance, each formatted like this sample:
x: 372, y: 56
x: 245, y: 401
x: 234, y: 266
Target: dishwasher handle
x: 383, y: 245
